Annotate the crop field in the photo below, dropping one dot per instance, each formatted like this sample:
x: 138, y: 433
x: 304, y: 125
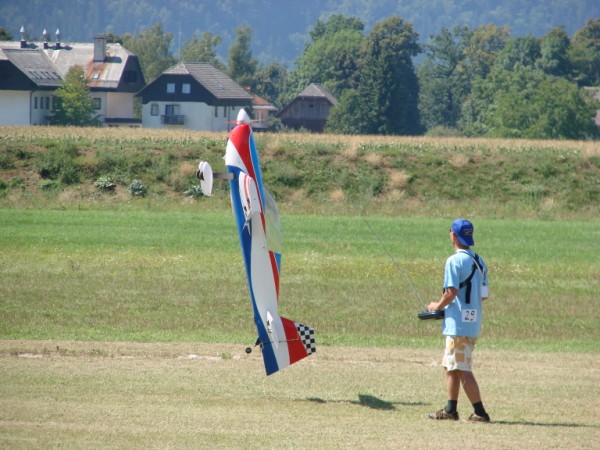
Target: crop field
x: 124, y: 318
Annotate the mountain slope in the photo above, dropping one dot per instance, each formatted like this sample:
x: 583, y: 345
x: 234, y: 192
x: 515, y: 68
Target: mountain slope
x: 281, y: 27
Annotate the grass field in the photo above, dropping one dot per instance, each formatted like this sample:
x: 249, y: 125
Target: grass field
x: 125, y: 328
x: 142, y: 275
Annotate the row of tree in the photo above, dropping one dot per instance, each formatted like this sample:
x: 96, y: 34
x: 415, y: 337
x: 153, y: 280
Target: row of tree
x: 470, y: 81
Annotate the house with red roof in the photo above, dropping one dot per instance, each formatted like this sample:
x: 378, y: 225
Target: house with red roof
x: 30, y: 73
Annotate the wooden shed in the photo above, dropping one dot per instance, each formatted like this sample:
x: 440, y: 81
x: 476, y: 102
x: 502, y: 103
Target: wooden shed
x: 309, y: 109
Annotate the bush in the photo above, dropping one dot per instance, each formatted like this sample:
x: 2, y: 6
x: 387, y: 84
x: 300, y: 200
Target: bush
x: 194, y: 191
x: 48, y: 185
x: 59, y: 163
x: 137, y: 189
x: 105, y: 183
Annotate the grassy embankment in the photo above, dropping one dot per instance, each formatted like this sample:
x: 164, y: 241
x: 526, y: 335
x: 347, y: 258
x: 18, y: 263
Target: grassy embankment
x: 308, y: 173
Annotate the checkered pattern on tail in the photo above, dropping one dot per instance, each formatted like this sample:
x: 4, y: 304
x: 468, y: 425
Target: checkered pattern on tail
x: 307, y: 336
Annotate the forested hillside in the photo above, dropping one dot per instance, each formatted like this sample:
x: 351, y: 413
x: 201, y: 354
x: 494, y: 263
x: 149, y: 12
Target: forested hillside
x: 281, y: 28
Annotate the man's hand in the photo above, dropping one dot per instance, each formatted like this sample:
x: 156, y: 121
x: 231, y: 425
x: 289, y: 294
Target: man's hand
x: 446, y: 299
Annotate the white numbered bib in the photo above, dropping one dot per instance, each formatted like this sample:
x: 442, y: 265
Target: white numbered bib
x: 469, y: 315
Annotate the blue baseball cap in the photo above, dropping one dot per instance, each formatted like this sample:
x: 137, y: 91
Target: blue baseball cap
x: 463, y: 229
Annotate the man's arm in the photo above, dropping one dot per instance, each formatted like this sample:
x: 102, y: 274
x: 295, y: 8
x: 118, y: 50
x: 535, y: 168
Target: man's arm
x: 446, y: 299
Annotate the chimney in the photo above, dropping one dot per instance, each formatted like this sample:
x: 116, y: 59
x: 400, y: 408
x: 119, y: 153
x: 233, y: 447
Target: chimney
x: 46, y: 36
x: 23, y: 36
x: 57, y: 38
x: 99, y: 47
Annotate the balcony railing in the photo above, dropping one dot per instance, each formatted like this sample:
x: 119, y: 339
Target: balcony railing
x: 172, y: 119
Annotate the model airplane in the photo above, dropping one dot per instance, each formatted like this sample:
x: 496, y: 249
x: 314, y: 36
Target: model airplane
x: 283, y: 341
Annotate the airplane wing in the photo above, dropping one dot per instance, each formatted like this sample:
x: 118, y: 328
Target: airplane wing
x: 283, y: 341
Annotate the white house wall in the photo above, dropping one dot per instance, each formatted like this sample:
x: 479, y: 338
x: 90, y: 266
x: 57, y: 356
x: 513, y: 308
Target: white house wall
x: 198, y: 116
x: 100, y: 113
x: 14, y: 108
x: 119, y: 105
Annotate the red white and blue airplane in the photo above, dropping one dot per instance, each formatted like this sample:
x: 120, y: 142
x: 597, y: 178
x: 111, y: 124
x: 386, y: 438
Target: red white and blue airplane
x: 283, y: 341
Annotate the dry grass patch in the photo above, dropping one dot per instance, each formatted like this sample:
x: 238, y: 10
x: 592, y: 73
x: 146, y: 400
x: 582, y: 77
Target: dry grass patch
x: 399, y: 179
x: 127, y: 395
x: 337, y: 196
x: 459, y: 160
x: 374, y: 159
x: 187, y: 169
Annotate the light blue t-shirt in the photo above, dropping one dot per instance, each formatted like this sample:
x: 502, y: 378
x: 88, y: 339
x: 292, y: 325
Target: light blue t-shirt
x: 462, y: 317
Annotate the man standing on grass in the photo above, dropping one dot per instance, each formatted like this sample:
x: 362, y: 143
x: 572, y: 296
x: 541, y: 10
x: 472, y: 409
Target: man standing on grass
x: 465, y: 287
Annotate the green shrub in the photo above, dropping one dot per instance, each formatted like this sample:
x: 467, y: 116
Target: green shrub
x: 194, y: 191
x: 59, y: 163
x: 17, y: 182
x: 48, y: 185
x: 105, y: 183
x: 137, y: 189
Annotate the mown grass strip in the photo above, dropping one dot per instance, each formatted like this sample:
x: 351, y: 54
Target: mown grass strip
x: 167, y: 276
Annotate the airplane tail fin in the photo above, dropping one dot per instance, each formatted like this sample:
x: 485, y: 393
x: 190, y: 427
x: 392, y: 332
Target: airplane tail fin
x: 293, y: 342
x: 300, y: 340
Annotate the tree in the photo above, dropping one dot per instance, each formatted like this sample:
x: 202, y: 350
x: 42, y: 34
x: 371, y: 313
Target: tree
x: 241, y: 65
x: 271, y: 82
x: 518, y: 52
x: 113, y: 38
x: 554, y: 48
x: 73, y: 104
x: 333, y: 25
x: 483, y: 46
x: 584, y: 54
x: 331, y: 59
x: 5, y: 35
x: 388, y: 87
x: 346, y: 116
x: 527, y: 103
x: 443, y: 84
x: 202, y: 50
x: 152, y: 49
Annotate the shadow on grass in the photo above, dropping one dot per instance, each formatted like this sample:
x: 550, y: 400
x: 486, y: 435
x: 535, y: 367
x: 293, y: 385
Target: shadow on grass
x: 544, y: 424
x: 369, y: 401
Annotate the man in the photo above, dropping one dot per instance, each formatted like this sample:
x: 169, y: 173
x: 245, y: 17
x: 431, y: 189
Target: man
x: 465, y: 287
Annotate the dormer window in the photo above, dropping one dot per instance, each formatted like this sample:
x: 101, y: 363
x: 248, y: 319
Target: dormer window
x: 170, y: 88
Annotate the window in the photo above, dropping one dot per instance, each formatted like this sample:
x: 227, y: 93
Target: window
x: 171, y: 110
x: 224, y: 111
x: 34, y: 102
x: 97, y: 102
x: 216, y: 111
x: 154, y: 110
x: 185, y: 88
x: 170, y: 88
x: 47, y: 102
x: 172, y: 116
